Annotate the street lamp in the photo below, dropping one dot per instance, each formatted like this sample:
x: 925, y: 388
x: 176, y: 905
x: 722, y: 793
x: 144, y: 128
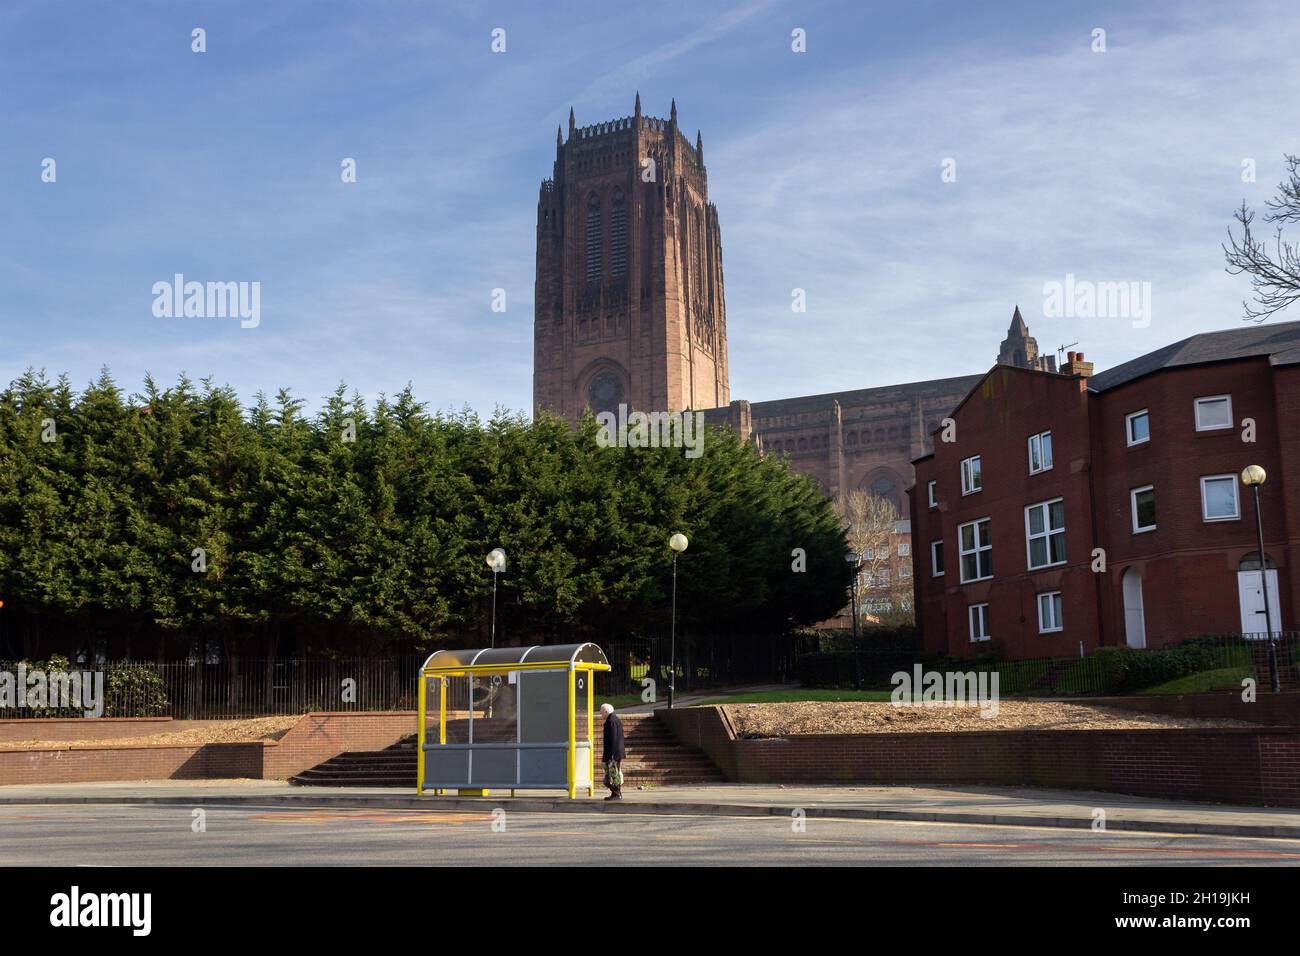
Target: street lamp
x: 1253, y: 476
x: 496, y: 560
x: 855, y: 560
x: 678, y: 542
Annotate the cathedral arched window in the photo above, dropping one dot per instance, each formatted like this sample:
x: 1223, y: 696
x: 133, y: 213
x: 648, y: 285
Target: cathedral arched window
x: 604, y: 392
x: 595, y: 243
x: 618, y: 237
x: 884, y: 485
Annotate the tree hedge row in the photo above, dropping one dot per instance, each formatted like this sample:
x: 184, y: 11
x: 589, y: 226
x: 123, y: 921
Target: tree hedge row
x: 176, y: 517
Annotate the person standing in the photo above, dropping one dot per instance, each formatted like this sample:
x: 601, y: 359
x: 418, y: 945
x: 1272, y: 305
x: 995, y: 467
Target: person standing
x: 613, y: 752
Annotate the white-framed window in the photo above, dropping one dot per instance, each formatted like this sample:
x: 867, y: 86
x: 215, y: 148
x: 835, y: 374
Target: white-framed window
x: 978, y: 615
x: 936, y: 558
x: 869, y: 554
x: 882, y: 580
x: 1040, y: 452
x: 904, y: 549
x: 1219, y: 498
x: 932, y: 493
x: 904, y: 573
x: 1137, y: 427
x: 976, y: 550
x: 972, y: 477
x: 1213, y: 412
x: 1045, y: 533
x: 1049, y: 612
x: 1143, y: 505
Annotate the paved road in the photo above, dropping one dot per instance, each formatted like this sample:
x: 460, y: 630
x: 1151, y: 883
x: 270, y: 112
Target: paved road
x: 163, y: 836
x: 973, y: 806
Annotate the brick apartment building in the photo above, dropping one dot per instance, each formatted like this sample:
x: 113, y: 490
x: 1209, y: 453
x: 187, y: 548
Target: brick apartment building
x: 1142, y: 461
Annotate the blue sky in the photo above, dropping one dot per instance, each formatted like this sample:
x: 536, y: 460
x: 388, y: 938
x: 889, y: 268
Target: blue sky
x: 825, y: 168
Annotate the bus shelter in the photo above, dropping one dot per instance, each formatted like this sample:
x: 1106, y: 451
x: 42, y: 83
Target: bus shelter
x: 508, y: 717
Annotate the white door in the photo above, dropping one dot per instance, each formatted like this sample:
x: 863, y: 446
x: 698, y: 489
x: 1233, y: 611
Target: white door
x: 1251, y: 595
x: 1135, y: 626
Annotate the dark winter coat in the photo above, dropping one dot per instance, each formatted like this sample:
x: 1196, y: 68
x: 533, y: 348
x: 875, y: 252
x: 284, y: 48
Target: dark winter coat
x: 614, y: 747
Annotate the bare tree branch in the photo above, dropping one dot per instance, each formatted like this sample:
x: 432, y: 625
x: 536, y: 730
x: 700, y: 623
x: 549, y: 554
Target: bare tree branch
x: 872, y: 529
x: 1274, y: 275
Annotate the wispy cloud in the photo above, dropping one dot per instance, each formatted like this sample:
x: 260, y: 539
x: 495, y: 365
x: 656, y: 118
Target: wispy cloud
x: 825, y: 167
x: 1121, y: 165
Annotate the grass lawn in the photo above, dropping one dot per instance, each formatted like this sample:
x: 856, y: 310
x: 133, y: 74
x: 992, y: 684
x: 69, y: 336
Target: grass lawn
x: 1224, y: 678
x: 619, y: 701
x: 787, y: 696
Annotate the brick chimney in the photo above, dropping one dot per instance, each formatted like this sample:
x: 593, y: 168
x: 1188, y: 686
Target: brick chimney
x: 1075, y: 365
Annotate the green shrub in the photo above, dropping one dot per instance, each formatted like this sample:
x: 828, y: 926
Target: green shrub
x: 130, y: 689
x: 134, y: 690
x: 1108, y: 670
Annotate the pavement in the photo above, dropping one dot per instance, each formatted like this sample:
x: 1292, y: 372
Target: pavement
x: 983, y: 806
x: 157, y: 836
x: 690, y: 699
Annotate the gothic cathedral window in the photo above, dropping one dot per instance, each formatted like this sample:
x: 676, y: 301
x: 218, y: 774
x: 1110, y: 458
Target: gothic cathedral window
x: 618, y: 237
x: 595, y: 245
x: 605, y: 392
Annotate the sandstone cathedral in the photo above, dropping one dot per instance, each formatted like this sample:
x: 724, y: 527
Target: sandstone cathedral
x: 630, y: 309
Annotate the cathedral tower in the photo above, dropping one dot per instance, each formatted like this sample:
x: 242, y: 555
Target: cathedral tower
x: 1020, y: 348
x: 628, y: 306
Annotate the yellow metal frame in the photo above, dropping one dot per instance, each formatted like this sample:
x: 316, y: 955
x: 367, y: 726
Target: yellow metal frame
x: 470, y: 670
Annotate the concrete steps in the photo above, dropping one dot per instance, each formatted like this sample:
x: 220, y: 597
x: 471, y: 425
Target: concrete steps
x: 1286, y: 671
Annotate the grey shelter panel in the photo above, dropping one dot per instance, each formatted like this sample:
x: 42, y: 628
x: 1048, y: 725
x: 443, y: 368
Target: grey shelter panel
x: 544, y: 706
x: 442, y: 763
x: 543, y: 767
x: 494, y: 767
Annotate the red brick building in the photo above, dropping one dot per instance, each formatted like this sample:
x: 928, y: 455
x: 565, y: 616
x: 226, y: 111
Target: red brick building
x: 1048, y: 474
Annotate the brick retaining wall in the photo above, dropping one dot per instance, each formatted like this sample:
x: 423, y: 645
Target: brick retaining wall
x: 317, y: 737
x: 314, y: 739
x: 1251, y: 765
x: 1268, y: 708
x: 83, y: 728
x: 86, y: 763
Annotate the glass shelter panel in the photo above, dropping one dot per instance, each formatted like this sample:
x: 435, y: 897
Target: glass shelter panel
x: 495, y: 715
x: 457, y: 689
x: 582, y: 688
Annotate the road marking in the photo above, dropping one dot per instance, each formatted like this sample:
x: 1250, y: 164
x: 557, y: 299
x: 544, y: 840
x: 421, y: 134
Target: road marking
x: 1103, y: 848
x: 1113, y: 834
x: 444, y: 818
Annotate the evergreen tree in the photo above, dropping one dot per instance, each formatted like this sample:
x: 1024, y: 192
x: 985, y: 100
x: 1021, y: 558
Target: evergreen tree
x: 176, y: 522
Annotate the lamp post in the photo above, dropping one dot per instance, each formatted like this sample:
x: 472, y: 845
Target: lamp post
x: 855, y: 561
x: 678, y: 543
x: 1253, y: 476
x: 496, y: 560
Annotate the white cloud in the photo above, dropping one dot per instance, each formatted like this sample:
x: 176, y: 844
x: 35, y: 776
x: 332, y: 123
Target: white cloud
x: 1116, y: 166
